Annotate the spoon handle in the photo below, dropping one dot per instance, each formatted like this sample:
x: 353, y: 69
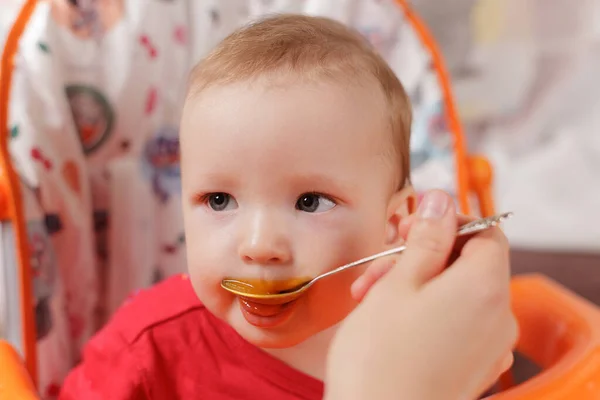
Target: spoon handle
x: 467, y: 229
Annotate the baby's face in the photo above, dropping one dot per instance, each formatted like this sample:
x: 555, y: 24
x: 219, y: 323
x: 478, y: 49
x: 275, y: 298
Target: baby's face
x: 283, y: 182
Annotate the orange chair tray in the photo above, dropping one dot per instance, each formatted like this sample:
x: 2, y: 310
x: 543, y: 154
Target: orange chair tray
x: 560, y: 332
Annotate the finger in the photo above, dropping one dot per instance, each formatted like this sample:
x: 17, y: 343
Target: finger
x: 511, y: 329
x: 506, y: 363
x: 378, y: 269
x: 484, y: 256
x: 361, y: 286
x: 481, y: 277
x: 484, y: 260
x: 462, y: 219
x: 501, y: 367
x: 430, y: 240
x: 496, y: 376
x: 407, y: 222
x: 480, y: 242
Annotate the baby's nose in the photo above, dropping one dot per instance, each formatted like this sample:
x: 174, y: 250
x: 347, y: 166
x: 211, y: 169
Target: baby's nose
x: 265, y: 242
x: 264, y: 254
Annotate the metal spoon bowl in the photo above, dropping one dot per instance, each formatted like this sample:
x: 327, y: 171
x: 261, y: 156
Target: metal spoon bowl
x: 238, y: 287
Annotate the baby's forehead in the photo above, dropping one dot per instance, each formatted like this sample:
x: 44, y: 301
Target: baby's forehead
x: 293, y: 101
x: 313, y: 49
x: 292, y: 121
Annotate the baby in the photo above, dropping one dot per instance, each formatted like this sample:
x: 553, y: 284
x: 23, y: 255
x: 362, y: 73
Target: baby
x: 295, y: 160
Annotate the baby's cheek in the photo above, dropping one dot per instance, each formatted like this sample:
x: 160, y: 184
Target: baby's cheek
x: 207, y: 285
x: 351, y: 245
x: 329, y: 304
x: 331, y: 299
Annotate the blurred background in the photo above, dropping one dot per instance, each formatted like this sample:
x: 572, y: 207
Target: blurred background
x: 525, y: 77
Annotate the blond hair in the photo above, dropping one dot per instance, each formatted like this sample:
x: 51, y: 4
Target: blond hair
x: 314, y: 48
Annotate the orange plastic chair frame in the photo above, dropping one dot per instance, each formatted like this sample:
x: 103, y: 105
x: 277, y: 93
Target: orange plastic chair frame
x: 11, y: 208
x: 473, y: 174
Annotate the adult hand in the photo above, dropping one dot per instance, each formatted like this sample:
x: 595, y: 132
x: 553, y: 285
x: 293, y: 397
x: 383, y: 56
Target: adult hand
x: 380, y: 267
x: 424, y: 331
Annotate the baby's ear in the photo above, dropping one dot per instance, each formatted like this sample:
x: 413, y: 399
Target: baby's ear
x: 402, y: 204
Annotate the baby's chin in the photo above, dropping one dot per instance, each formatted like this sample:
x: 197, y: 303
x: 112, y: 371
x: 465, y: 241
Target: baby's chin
x: 290, y: 333
x: 297, y: 326
x: 273, y: 341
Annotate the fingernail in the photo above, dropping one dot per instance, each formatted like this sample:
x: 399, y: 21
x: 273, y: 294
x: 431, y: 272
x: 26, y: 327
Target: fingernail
x: 433, y: 205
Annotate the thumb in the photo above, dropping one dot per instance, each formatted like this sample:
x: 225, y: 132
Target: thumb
x: 430, y: 240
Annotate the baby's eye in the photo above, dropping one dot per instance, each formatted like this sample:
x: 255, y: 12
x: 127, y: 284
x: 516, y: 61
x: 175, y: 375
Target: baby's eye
x: 221, y: 201
x: 314, y: 202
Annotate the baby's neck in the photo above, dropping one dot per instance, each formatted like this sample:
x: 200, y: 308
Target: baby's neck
x: 309, y: 356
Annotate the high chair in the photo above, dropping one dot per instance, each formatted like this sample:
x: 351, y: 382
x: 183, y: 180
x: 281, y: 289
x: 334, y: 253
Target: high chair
x: 559, y: 331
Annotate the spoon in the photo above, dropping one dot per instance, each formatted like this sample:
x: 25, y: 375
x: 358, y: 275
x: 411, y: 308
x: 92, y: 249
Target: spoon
x: 245, y: 290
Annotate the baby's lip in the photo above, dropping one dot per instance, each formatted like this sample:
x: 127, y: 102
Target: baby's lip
x: 266, y: 316
x: 263, y: 310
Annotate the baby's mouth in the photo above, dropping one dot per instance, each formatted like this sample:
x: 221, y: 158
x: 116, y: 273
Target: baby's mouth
x: 266, y: 316
x: 263, y: 310
x: 259, y: 301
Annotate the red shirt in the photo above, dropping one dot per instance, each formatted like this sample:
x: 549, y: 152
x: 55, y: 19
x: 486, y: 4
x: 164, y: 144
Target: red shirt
x: 164, y: 344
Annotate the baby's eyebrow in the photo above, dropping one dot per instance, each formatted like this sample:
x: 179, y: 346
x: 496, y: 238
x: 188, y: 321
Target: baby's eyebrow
x: 212, y: 180
x: 322, y: 182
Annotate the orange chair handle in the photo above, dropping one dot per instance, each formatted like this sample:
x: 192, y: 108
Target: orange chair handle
x: 15, y: 382
x: 480, y: 181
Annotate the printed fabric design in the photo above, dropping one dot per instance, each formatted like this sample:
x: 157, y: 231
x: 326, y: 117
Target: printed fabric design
x: 44, y: 269
x: 161, y: 163
x: 92, y: 114
x: 87, y: 18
